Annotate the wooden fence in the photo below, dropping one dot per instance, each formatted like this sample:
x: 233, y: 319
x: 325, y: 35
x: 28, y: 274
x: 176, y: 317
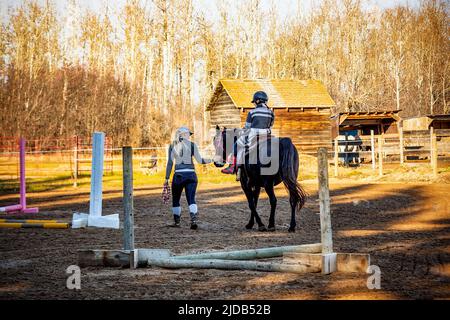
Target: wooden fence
x: 426, y: 146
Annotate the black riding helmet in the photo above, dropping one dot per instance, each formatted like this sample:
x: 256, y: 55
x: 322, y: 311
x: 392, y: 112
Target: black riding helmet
x: 261, y: 96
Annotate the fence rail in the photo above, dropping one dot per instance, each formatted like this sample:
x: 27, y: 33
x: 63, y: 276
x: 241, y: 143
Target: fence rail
x: 72, y: 156
x: 405, y: 146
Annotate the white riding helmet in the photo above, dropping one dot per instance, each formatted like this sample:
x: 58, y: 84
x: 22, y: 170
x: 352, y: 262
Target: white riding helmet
x: 184, y: 129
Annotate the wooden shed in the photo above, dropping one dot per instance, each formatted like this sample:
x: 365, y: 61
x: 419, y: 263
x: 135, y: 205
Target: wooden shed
x: 361, y: 123
x: 436, y: 121
x: 302, y: 108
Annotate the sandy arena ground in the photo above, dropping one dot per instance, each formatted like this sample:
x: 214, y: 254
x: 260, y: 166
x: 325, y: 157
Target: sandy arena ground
x: 405, y: 228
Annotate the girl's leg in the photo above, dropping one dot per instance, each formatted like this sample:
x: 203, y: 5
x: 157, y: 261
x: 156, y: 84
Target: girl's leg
x: 177, y: 189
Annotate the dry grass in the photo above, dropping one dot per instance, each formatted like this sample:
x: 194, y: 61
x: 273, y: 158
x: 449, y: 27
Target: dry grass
x: 50, y: 173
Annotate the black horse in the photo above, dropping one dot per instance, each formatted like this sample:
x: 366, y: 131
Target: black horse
x: 252, y: 180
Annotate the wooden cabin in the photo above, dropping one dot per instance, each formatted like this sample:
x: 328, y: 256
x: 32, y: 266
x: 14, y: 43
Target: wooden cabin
x: 353, y: 130
x: 302, y: 109
x: 361, y: 123
x: 435, y: 121
x: 420, y: 128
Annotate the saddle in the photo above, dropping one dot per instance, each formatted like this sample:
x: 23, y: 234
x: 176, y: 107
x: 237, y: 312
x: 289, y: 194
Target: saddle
x: 257, y: 149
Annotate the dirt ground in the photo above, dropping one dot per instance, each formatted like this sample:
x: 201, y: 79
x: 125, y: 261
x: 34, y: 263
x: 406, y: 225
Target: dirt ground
x: 404, y: 227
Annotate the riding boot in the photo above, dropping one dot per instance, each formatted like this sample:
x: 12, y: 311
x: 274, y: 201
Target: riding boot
x: 193, y: 221
x: 231, y: 168
x: 176, y: 223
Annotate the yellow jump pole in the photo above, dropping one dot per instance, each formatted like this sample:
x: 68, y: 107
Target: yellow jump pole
x: 27, y: 221
x: 51, y: 225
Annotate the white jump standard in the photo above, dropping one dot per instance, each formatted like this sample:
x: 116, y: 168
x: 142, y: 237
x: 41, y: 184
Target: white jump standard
x: 95, y: 218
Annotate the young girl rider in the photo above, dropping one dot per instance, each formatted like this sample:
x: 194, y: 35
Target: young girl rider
x: 259, y: 121
x: 182, y: 150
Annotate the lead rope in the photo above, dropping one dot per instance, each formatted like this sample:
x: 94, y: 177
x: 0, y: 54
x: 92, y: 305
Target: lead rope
x: 166, y: 193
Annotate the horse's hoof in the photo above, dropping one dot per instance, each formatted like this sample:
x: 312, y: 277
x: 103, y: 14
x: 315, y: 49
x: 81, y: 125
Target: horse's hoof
x: 291, y: 229
x: 271, y: 229
x: 262, y: 228
x: 249, y: 226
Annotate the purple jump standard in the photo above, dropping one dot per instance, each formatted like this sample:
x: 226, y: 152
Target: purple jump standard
x: 22, y: 206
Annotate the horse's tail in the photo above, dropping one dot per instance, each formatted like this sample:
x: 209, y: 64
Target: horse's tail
x: 289, y: 172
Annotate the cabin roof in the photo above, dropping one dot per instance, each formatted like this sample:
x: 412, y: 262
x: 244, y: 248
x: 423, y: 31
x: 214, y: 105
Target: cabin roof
x: 282, y: 93
x: 431, y: 116
x: 440, y: 117
x: 367, y: 115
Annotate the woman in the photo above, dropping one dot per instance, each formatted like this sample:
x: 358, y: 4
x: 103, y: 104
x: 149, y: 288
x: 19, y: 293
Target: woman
x: 182, y: 150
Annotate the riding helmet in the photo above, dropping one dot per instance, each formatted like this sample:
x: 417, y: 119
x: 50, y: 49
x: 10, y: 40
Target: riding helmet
x: 185, y: 129
x: 261, y: 96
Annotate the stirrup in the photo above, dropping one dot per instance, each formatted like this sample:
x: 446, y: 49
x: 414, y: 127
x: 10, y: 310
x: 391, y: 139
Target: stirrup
x: 230, y: 170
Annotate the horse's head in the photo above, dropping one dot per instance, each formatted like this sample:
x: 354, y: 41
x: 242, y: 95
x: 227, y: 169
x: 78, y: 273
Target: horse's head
x: 218, y: 141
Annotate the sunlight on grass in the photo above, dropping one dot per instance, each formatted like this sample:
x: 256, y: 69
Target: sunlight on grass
x: 46, y: 173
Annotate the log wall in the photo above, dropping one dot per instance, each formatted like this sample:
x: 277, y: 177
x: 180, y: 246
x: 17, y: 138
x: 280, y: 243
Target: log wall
x: 224, y: 113
x: 309, y: 128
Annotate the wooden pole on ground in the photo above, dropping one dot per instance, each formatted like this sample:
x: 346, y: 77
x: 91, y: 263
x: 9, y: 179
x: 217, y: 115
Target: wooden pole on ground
x: 372, y: 148
x: 262, y: 253
x: 380, y: 155
x: 232, y: 265
x: 128, y: 226
x: 29, y: 221
x: 400, y: 133
x: 49, y: 225
x: 336, y: 156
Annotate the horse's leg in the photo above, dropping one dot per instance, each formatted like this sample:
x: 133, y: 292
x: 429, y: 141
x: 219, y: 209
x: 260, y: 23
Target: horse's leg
x: 273, y: 205
x: 261, y: 226
x: 251, y: 204
x: 256, y: 193
x: 293, y: 202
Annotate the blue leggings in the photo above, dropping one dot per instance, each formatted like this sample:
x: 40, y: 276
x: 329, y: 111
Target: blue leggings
x: 187, y: 181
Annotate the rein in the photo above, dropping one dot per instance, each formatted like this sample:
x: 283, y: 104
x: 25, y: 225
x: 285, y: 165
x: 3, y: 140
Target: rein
x: 218, y: 143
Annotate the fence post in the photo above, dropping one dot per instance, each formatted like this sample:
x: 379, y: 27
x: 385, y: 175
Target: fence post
x: 336, y: 156
x: 75, y: 163
x: 346, y: 161
x: 324, y: 201
x: 431, y: 146
x: 401, y: 144
x: 328, y: 256
x: 380, y: 155
x: 435, y: 154
x: 111, y: 153
x: 372, y: 148
x: 128, y: 226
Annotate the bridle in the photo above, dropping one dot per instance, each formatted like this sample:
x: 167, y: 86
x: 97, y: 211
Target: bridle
x: 218, y: 143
